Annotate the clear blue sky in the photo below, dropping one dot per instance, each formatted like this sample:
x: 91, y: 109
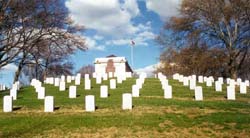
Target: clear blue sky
x: 110, y: 27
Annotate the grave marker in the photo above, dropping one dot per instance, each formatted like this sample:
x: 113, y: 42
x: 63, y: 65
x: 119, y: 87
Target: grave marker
x: 135, y: 91
x: 198, y: 93
x: 72, y: 91
x: 112, y: 84
x: 41, y: 93
x: 127, y: 101
x: 49, y: 104
x: 62, y: 86
x: 168, y: 92
x: 104, y: 91
x: 90, y: 103
x: 218, y: 86
x: 243, y: 88
x: 230, y: 92
x: 7, y: 103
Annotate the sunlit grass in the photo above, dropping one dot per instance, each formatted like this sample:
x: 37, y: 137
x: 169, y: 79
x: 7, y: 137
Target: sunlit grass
x: 152, y: 115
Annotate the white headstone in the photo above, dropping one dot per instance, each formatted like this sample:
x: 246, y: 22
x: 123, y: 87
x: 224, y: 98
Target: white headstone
x: 185, y: 81
x: 62, y: 86
x: 105, y: 76
x: 87, y: 84
x: 98, y: 79
x: 90, y: 103
x: 243, y: 88
x: 13, y: 93
x: 41, y: 93
x: 112, y: 84
x: 72, y: 91
x: 209, y: 82
x: 69, y: 79
x: 220, y: 79
x: 128, y: 74
x: 198, y: 93
x: 119, y: 79
x: 232, y: 82
x: 78, y: 80
x: 192, y: 84
x: 247, y: 83
x: 205, y: 78
x: 218, y: 86
x: 135, y: 91
x: 238, y: 81
x: 57, y: 82
x: 139, y: 83
x: 7, y: 104
x: 168, y: 92
x: 49, y: 104
x: 110, y: 74
x: 181, y: 77
x: 200, y: 79
x: 62, y: 78
x: 86, y: 76
x: 230, y: 92
x: 127, y: 101
x: 228, y: 80
x: 176, y: 76
x: 104, y: 91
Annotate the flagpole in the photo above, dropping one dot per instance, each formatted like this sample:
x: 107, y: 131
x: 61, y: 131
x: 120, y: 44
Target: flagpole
x: 132, y: 56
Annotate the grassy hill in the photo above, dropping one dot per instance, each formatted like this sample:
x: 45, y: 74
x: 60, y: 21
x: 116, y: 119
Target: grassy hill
x: 152, y: 115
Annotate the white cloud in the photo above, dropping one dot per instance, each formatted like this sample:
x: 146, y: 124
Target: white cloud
x: 112, y: 21
x: 109, y: 17
x: 140, y: 38
x: 148, y: 69
x: 165, y: 8
x: 98, y: 37
x: 92, y: 44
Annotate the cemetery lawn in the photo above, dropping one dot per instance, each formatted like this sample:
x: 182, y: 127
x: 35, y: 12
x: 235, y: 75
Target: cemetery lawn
x: 151, y: 116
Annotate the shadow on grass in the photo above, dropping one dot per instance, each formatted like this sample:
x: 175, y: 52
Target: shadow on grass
x: 17, y: 108
x: 56, y: 108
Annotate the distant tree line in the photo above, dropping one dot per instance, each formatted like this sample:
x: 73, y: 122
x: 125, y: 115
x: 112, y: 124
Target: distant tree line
x: 38, y: 36
x: 209, y: 37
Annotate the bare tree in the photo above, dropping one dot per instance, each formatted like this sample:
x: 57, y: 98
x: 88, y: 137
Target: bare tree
x: 223, y: 24
x: 37, y: 32
x: 89, y: 69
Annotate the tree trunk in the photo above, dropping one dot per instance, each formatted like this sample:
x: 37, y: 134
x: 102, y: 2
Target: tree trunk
x: 18, y: 72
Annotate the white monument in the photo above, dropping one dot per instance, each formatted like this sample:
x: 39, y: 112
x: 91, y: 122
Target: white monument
x: 112, y: 65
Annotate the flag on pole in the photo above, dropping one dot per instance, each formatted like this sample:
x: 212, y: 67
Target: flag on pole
x: 132, y: 43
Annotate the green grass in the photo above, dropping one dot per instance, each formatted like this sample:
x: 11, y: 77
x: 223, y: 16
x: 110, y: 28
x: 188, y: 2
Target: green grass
x: 151, y: 116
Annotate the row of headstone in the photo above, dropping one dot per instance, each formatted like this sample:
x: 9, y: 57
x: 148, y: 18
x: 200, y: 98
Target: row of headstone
x: 89, y: 103
x: 165, y: 86
x: 218, y: 84
x: 138, y: 85
x: 8, y: 99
